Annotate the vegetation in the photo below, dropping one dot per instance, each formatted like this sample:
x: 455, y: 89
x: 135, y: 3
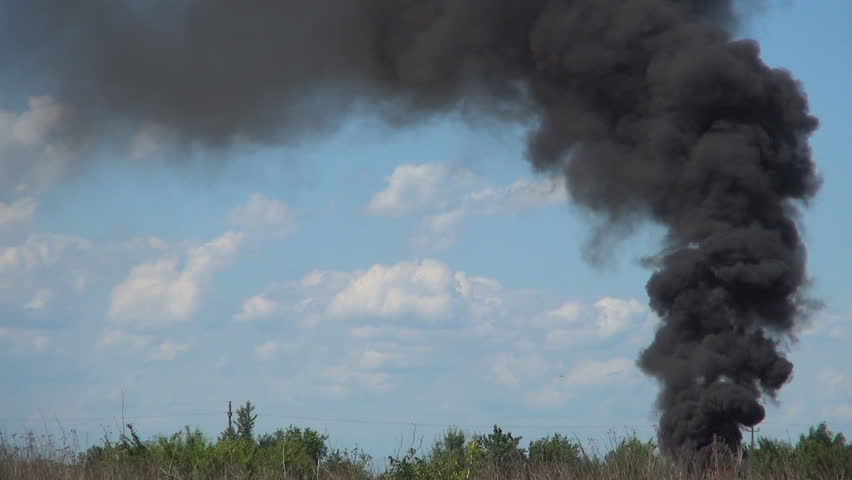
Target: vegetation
x: 302, y: 453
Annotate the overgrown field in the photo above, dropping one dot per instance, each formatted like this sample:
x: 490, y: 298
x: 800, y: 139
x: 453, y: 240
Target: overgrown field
x: 302, y: 453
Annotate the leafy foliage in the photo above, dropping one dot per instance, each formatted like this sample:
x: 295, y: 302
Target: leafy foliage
x: 302, y: 453
x: 555, y: 449
x: 502, y: 448
x: 245, y: 421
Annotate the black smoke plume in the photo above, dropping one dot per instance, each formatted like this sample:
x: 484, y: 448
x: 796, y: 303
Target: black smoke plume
x: 650, y: 108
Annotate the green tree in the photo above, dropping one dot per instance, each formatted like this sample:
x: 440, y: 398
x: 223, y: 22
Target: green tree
x: 822, y: 453
x: 451, y: 446
x: 771, y: 457
x: 245, y: 421
x: 555, y: 449
x: 501, y: 448
x: 303, y: 450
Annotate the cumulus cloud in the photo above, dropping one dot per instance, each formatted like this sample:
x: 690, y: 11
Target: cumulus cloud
x: 267, y: 349
x: 449, y: 195
x: 415, y: 189
x: 548, y: 396
x: 438, y: 231
x: 262, y: 214
x: 511, y: 368
x: 599, y: 373
x: 34, y: 271
x: 149, y: 139
x: 166, y: 291
x: 39, y: 301
x: 573, y: 324
x: 425, y: 289
x: 378, y: 359
x: 614, y: 314
x: 557, y: 392
x: 169, y: 350
x: 19, y: 211
x: 379, y: 322
x: 126, y: 341
x: 833, y: 325
x: 343, y: 377
x: 23, y: 341
x: 257, y: 307
x: 39, y: 251
x: 566, y: 314
x: 422, y: 289
x: 30, y: 160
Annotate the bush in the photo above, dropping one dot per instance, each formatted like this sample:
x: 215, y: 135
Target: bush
x: 554, y: 450
x: 502, y: 449
x: 351, y: 464
x: 822, y: 453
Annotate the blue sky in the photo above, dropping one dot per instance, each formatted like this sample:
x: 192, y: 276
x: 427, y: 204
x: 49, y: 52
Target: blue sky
x: 367, y: 282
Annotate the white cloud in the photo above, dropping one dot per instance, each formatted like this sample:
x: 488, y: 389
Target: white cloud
x: 267, y: 349
x: 557, y: 391
x: 422, y: 289
x: 414, y: 290
x: 437, y: 189
x: 612, y: 317
x: 836, y: 326
x: 417, y: 188
x: 599, y: 373
x: 566, y: 314
x: 386, y: 331
x: 341, y: 376
x: 377, y: 359
x: 34, y: 125
x: 19, y: 211
x: 438, y: 231
x: 169, y: 350
x: 161, y: 293
x: 549, y: 396
x: 562, y: 339
x: 522, y: 194
x: 511, y: 368
x: 614, y: 314
x: 39, y: 301
x: 24, y: 341
x: 257, y: 307
x: 38, y: 251
x: 263, y: 214
x: 30, y: 159
x: 148, y: 140
x: 125, y: 340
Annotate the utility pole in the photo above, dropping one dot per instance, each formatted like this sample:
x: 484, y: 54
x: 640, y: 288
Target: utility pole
x: 752, y: 436
x: 230, y: 414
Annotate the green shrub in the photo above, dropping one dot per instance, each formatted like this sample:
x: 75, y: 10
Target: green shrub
x: 554, y: 450
x: 822, y: 453
x: 501, y: 449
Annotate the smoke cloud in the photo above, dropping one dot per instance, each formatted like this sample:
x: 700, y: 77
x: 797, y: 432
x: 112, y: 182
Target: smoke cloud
x: 649, y: 108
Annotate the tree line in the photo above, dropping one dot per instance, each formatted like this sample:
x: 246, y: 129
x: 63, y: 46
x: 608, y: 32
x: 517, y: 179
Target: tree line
x: 298, y: 453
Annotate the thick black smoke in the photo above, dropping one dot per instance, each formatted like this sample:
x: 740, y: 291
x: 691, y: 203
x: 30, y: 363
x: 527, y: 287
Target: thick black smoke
x: 649, y: 108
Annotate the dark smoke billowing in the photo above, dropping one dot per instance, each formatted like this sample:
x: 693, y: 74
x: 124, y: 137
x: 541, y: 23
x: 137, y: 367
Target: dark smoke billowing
x: 649, y: 108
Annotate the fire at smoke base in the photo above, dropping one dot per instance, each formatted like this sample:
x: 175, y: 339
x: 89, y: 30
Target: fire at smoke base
x: 648, y: 107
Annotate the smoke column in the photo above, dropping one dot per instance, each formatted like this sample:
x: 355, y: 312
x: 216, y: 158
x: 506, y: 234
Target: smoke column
x: 648, y: 107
